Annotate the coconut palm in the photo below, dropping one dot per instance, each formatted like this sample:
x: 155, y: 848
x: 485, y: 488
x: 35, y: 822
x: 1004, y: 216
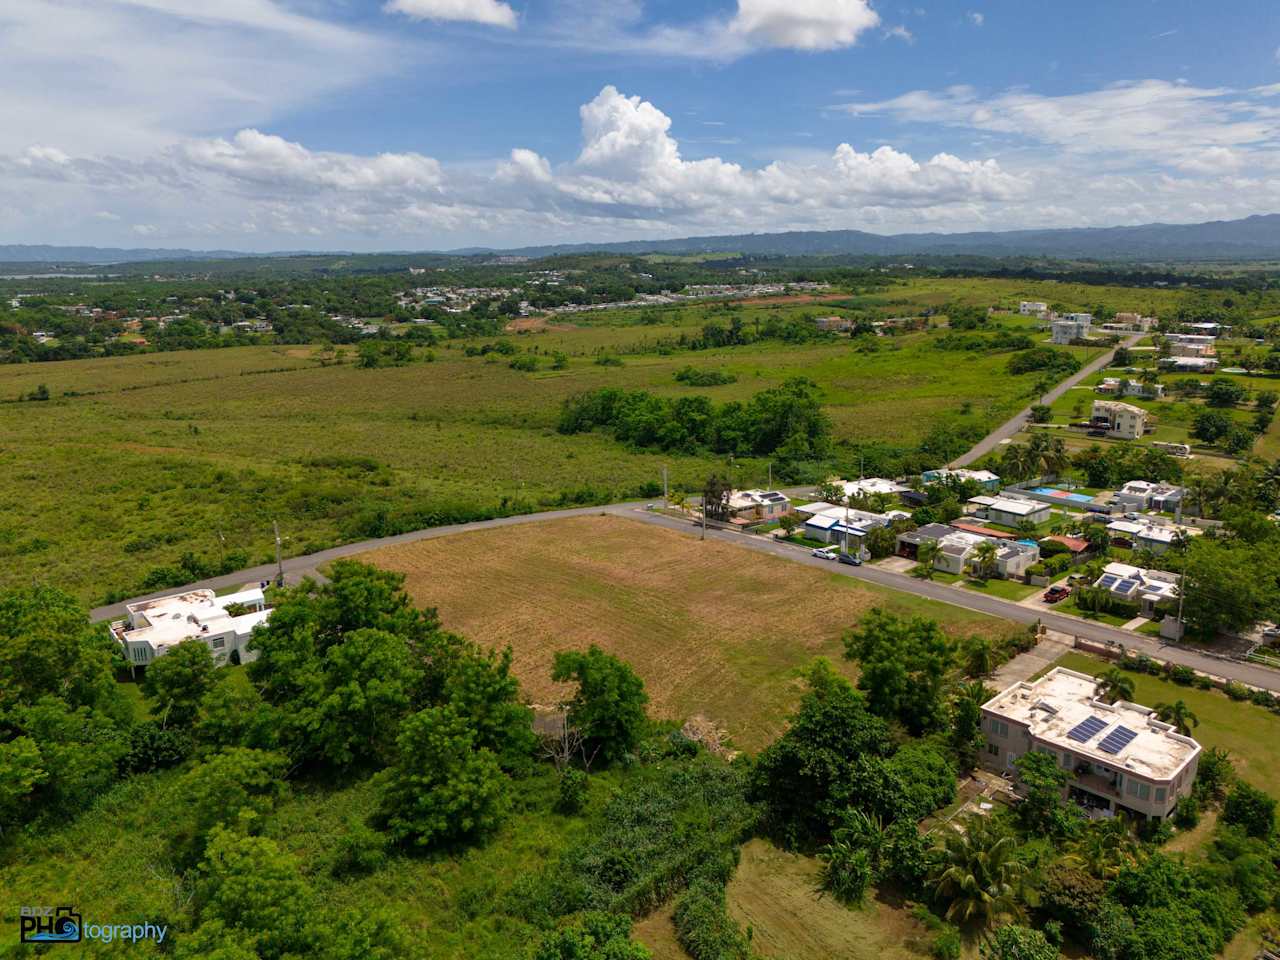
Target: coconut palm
x: 1113, y: 685
x: 978, y: 654
x: 926, y: 555
x: 1054, y: 458
x: 976, y: 873
x: 984, y: 559
x: 1106, y: 848
x: 1178, y: 715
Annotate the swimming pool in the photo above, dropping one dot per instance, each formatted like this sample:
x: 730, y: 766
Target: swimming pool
x: 1063, y: 494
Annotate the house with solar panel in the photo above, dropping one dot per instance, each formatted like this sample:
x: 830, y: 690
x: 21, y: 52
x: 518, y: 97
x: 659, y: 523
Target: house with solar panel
x: 1139, y: 586
x: 1118, y: 756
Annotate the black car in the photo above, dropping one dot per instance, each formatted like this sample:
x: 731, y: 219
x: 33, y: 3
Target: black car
x: 850, y: 558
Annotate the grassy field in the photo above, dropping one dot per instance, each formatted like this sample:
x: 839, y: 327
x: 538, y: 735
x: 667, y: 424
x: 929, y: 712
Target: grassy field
x: 777, y: 894
x: 136, y: 461
x: 1249, y: 732
x: 712, y: 628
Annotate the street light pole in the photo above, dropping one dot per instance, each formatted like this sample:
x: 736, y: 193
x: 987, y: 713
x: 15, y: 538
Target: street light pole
x: 279, y: 558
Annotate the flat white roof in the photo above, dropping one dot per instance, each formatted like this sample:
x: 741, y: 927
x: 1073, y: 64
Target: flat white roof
x: 167, y: 621
x: 1055, y: 706
x: 1019, y: 508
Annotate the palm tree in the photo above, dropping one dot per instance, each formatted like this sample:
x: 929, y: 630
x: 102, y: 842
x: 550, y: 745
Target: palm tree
x: 926, y: 555
x: 1107, y: 847
x: 977, y: 874
x: 979, y: 656
x: 984, y: 559
x: 1179, y: 715
x: 1198, y: 492
x: 1054, y: 457
x: 1113, y: 685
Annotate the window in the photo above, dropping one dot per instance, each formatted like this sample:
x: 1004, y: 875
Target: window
x: 999, y: 727
x: 993, y: 750
x: 218, y: 643
x: 1159, y: 794
x: 1066, y: 760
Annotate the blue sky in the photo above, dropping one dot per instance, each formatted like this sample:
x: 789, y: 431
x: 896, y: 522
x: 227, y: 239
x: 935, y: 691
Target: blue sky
x: 429, y: 124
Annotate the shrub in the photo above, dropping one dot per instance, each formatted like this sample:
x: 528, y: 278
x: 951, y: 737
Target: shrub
x: 1236, y: 691
x: 704, y: 927
x: 573, y: 791
x: 1187, y: 813
x: 1251, y: 809
x: 946, y: 945
x: 1183, y: 676
x: 360, y: 850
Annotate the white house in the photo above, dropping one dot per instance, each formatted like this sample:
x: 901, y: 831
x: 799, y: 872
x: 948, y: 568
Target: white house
x: 1115, y: 386
x: 1118, y: 757
x: 843, y: 526
x: 1190, y: 364
x: 983, y: 478
x: 1141, y: 495
x: 869, y: 486
x: 750, y: 506
x: 1071, y: 326
x: 1122, y: 420
x: 1145, y: 534
x: 1033, y: 308
x: 1144, y: 587
x: 1009, y: 512
x: 154, y: 627
x: 956, y: 549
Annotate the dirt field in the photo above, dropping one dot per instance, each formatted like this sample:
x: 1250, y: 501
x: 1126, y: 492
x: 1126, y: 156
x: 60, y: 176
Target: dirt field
x: 776, y: 894
x: 712, y: 628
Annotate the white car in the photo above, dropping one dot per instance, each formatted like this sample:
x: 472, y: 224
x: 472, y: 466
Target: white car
x: 824, y: 554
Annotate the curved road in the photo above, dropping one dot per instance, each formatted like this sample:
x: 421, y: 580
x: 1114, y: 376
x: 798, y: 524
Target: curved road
x: 1011, y: 428
x: 296, y: 567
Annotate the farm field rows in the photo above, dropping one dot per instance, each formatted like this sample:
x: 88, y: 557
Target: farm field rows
x: 711, y: 628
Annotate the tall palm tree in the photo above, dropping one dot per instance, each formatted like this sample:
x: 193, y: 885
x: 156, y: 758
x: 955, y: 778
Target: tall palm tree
x: 926, y: 555
x: 1198, y: 486
x: 1179, y: 715
x: 1054, y: 457
x: 1113, y: 685
x: 976, y: 873
x: 984, y: 559
x: 979, y: 656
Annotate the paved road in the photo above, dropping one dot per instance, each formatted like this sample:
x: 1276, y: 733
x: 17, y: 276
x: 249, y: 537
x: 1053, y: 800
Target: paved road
x: 1011, y: 428
x: 1248, y: 673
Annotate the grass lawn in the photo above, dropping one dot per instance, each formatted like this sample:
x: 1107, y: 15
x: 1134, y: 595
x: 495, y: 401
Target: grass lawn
x: 775, y: 894
x: 1069, y: 606
x: 1006, y: 589
x: 713, y: 628
x: 1249, y: 732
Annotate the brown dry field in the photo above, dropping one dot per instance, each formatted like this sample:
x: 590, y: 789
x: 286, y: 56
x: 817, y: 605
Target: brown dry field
x: 712, y: 628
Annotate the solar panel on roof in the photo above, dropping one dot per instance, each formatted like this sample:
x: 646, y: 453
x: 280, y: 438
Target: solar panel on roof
x: 1087, y: 729
x: 1108, y: 581
x: 1127, y: 586
x: 1117, y: 740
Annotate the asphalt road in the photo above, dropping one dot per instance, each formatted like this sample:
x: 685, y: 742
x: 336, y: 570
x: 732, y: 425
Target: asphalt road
x: 296, y: 567
x: 1011, y: 428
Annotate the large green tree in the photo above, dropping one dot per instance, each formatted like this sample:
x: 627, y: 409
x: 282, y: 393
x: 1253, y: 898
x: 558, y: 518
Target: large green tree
x: 904, y: 664
x: 443, y: 788
x: 176, y: 683
x: 608, y: 706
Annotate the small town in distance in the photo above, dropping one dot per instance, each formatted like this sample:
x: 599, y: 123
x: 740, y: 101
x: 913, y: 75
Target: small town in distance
x: 728, y: 480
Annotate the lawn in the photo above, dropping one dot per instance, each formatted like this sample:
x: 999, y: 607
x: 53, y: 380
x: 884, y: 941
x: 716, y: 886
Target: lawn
x: 775, y: 893
x: 712, y: 628
x: 1005, y: 589
x: 1249, y: 732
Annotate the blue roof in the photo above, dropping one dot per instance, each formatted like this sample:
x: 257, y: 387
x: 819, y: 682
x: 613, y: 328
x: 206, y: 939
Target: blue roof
x: 1087, y: 729
x: 1117, y: 740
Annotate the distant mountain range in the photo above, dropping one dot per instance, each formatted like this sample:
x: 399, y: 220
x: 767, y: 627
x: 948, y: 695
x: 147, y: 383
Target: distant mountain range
x: 1253, y: 238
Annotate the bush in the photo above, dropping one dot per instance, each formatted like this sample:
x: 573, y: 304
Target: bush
x: 573, y: 791
x: 693, y: 377
x: 151, y: 747
x: 946, y: 945
x: 1187, y: 813
x: 1251, y: 809
x: 359, y: 851
x: 1236, y: 691
x: 704, y: 927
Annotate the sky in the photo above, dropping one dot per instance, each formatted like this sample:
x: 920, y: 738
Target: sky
x: 437, y: 124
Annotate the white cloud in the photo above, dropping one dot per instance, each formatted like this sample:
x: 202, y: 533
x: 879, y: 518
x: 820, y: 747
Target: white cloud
x: 158, y: 70
x: 265, y: 160
x: 976, y: 18
x: 490, y: 12
x: 802, y: 24
x: 900, y: 32
x: 1152, y: 119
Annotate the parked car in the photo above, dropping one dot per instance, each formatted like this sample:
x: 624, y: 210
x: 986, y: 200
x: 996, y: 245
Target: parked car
x: 822, y: 553
x: 1056, y: 593
x: 850, y: 558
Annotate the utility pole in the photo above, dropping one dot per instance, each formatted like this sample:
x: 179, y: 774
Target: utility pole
x: 665, y: 494
x: 279, y: 559
x: 703, y: 535
x: 770, y: 474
